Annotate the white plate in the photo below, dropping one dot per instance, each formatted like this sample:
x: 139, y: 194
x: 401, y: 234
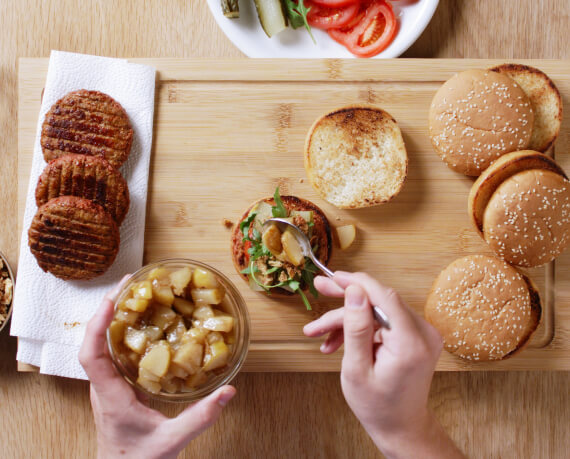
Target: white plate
x: 247, y: 35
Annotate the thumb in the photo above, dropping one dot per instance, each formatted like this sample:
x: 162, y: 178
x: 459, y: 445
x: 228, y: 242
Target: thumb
x: 358, y: 332
x: 198, y: 417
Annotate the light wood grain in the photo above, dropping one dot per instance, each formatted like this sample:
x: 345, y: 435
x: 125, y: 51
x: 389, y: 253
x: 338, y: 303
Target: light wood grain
x: 490, y: 415
x: 226, y: 134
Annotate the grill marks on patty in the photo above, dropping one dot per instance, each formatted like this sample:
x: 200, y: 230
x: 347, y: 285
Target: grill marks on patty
x: 86, y: 177
x: 73, y: 238
x: 89, y: 123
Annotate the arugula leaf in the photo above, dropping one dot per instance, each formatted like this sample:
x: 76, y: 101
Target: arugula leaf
x: 250, y: 269
x: 295, y: 19
x: 278, y: 210
x: 293, y: 284
x: 296, y: 287
x: 305, y: 299
x: 297, y: 15
x: 245, y: 224
x: 308, y: 277
x: 310, y: 266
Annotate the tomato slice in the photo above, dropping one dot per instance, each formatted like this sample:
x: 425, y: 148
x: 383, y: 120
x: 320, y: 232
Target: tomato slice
x: 372, y: 34
x: 334, y: 3
x: 323, y: 17
x: 246, y: 247
x: 341, y: 34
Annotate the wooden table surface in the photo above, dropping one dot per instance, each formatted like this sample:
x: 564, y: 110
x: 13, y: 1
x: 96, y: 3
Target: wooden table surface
x: 489, y: 414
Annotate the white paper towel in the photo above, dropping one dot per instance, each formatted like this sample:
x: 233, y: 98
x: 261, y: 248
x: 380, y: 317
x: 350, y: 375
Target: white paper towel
x: 50, y: 314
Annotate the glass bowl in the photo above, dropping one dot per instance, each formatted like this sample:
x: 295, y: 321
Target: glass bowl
x: 233, y: 303
x: 6, y: 267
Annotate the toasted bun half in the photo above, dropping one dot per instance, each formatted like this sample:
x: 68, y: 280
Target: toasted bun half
x: 321, y: 230
x: 355, y: 157
x: 503, y: 168
x: 484, y: 308
x: 527, y: 219
x: 545, y: 100
x: 477, y: 116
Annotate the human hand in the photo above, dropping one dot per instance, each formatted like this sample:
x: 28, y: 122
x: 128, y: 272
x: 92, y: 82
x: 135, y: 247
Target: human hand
x: 386, y: 374
x: 125, y: 426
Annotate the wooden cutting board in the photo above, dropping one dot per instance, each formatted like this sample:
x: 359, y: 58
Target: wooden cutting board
x: 226, y: 133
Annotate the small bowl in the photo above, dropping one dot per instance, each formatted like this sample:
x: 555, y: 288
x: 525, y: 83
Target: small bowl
x: 11, y: 276
x: 233, y: 301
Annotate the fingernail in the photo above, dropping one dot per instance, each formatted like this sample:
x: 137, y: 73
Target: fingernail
x: 324, y: 347
x: 226, y: 396
x: 354, y: 297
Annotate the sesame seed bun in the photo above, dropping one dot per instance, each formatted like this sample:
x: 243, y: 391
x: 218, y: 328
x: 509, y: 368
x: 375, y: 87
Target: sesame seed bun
x: 545, y: 101
x: 484, y: 308
x: 527, y: 219
x: 355, y: 157
x: 477, y: 116
x: 503, y: 168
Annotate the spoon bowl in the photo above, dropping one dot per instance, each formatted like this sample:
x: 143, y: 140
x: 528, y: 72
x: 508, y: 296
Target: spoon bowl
x: 301, y: 238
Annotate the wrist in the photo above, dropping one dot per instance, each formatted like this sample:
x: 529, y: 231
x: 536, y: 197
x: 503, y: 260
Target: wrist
x: 423, y: 438
x: 106, y: 450
x: 400, y: 441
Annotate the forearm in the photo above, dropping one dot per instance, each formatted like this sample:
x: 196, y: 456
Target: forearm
x: 428, y: 440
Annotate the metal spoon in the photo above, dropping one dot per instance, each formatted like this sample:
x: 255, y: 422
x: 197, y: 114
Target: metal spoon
x: 305, y: 245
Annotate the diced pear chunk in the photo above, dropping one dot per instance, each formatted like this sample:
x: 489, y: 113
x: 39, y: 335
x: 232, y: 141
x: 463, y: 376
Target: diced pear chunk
x: 177, y: 371
x: 151, y: 386
x: 219, y: 323
x: 154, y: 333
x: 306, y: 215
x: 203, y: 312
x: 143, y: 290
x: 346, y: 235
x: 216, y: 357
x: 184, y: 307
x: 144, y: 373
x: 160, y: 274
x: 179, y: 279
x: 214, y: 337
x: 136, y: 304
x: 203, y: 278
x: 162, y: 317
x: 208, y: 295
x: 189, y: 357
x: 291, y: 248
x: 116, y: 332
x: 263, y: 211
x: 136, y: 340
x: 195, y: 380
x: 171, y: 385
x: 163, y: 295
x: 271, y: 238
x: 157, y: 359
x: 175, y: 331
x: 195, y: 334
